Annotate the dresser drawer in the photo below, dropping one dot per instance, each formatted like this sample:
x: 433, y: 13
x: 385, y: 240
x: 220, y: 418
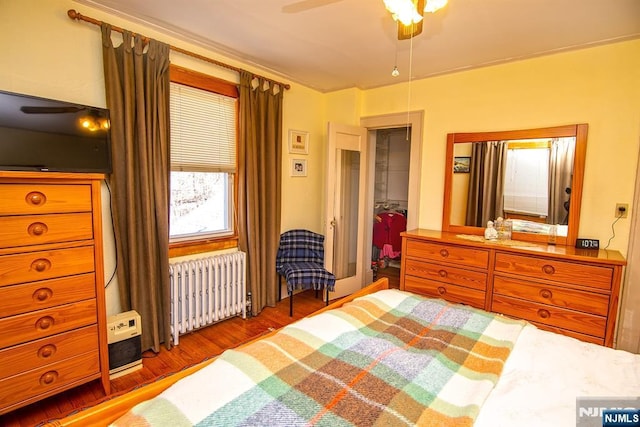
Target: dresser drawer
x: 46, y: 293
x: 24, y: 199
x: 39, y: 229
x: 549, y: 315
x: 34, y: 266
x: 39, y: 353
x: 588, y: 302
x: 447, y: 274
x: 49, y: 379
x: 559, y: 271
x: 43, y: 323
x: 445, y: 291
x: 447, y: 253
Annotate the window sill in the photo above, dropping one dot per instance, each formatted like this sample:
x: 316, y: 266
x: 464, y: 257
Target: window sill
x: 199, y: 246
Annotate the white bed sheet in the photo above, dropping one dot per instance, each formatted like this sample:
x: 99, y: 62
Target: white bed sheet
x: 546, y: 372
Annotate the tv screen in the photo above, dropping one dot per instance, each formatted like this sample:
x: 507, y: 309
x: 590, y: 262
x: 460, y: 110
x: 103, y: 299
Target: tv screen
x: 38, y: 134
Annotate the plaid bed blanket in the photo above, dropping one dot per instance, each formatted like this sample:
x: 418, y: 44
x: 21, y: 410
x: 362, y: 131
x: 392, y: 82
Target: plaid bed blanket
x: 391, y: 358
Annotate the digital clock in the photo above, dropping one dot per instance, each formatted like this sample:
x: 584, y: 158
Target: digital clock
x: 587, y: 243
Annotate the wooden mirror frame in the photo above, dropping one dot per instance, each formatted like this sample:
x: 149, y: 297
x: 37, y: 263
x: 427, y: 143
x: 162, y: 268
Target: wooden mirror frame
x: 579, y: 131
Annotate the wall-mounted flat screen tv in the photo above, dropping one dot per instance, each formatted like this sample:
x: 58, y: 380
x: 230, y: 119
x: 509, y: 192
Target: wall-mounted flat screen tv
x: 47, y: 135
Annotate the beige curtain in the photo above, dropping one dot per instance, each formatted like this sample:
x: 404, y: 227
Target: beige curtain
x: 137, y: 89
x: 486, y: 182
x: 259, y: 185
x: 560, y: 174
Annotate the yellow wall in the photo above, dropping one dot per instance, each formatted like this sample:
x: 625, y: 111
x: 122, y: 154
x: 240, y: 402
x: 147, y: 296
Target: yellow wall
x: 599, y: 86
x: 46, y: 54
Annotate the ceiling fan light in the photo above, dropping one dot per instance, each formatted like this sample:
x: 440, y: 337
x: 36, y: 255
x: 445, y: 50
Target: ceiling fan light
x: 404, y: 11
x: 434, y: 5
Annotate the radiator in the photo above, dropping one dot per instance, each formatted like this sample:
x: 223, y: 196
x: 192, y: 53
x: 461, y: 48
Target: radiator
x: 207, y: 290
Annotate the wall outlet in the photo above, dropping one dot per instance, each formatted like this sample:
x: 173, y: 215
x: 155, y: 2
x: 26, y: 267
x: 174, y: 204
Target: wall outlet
x: 622, y: 209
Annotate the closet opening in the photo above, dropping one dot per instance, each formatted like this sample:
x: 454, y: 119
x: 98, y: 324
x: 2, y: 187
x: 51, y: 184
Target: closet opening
x: 391, y: 195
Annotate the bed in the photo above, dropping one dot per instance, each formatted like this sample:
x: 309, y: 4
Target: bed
x: 385, y: 357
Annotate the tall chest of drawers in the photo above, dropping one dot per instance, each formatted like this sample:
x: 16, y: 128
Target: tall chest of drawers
x: 561, y: 289
x: 52, y: 314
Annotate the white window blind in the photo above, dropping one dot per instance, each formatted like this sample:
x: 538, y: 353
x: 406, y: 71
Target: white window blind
x: 203, y: 130
x: 526, y: 186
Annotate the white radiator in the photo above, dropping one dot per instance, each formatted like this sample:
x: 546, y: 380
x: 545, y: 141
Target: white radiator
x: 207, y: 290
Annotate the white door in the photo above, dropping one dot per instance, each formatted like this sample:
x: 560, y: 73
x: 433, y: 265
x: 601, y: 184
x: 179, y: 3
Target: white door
x: 345, y: 216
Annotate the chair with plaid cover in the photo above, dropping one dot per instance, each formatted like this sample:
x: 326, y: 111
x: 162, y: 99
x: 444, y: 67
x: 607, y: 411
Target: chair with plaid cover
x: 300, y: 260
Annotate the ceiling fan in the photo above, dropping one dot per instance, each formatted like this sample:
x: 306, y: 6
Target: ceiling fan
x: 404, y: 31
x: 301, y: 6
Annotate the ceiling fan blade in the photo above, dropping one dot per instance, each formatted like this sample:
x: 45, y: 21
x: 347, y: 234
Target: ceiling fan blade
x: 303, y: 5
x: 49, y: 110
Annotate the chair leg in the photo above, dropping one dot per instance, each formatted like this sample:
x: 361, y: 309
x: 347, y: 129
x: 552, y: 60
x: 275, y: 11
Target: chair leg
x: 279, y: 288
x: 327, y: 290
x: 290, y: 303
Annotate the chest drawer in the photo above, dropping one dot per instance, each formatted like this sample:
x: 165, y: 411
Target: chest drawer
x: 449, y: 292
x: 35, y: 354
x: 447, y: 253
x: 49, y: 379
x: 25, y: 199
x: 559, y: 271
x: 447, y: 274
x: 46, y: 293
x: 41, y: 265
x: 549, y: 315
x: 39, y: 229
x: 43, y: 323
x: 574, y: 299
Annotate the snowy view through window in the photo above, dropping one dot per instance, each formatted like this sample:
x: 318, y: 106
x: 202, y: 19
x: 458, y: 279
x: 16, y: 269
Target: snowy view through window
x: 199, y: 202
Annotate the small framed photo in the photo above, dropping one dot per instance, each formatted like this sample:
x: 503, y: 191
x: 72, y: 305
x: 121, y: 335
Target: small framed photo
x: 461, y: 164
x: 298, y: 167
x: 298, y: 142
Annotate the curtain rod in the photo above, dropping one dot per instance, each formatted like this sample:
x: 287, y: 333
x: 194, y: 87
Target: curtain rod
x: 79, y: 17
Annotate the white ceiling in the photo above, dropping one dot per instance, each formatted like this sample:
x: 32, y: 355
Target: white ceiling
x: 337, y: 44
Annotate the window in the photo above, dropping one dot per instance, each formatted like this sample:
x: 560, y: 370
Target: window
x: 203, y: 113
x: 526, y: 188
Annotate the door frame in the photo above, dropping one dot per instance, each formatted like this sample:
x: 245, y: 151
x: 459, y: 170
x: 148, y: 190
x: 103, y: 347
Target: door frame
x: 415, y: 119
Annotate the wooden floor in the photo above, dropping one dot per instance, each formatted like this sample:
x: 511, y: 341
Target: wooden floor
x: 193, y: 348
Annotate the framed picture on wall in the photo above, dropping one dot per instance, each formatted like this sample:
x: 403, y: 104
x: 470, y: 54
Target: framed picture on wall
x: 461, y: 164
x: 298, y: 167
x: 298, y: 142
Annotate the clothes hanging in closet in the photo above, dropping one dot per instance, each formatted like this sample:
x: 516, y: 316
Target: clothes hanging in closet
x: 386, y: 233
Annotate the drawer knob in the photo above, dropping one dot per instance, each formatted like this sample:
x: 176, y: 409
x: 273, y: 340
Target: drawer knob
x: 37, y: 229
x: 444, y: 253
x: 544, y: 313
x: 41, y: 264
x: 442, y: 273
x: 44, y: 323
x: 441, y: 290
x: 46, y: 351
x: 42, y: 294
x: 548, y: 269
x: 36, y: 198
x: 48, y: 378
x: 546, y: 293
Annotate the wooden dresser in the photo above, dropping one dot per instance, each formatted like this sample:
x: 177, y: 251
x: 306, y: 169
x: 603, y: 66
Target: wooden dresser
x: 566, y: 290
x: 52, y: 310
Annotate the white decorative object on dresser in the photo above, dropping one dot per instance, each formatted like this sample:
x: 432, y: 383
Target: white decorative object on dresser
x: 571, y: 291
x: 52, y: 316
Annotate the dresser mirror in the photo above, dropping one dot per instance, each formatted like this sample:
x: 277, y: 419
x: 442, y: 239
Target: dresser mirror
x: 531, y: 176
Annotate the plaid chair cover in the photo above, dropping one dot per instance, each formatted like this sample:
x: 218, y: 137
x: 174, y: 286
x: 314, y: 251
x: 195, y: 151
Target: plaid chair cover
x: 300, y: 260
